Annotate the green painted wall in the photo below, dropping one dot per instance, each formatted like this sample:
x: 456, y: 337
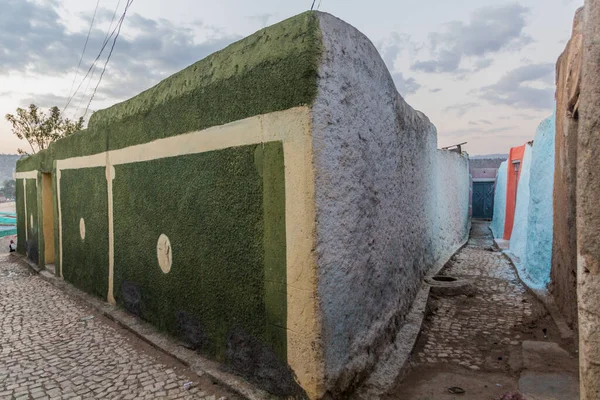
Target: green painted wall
x: 20, y: 208
x: 270, y: 164
x: 224, y: 211
x: 212, y: 207
x: 272, y: 70
x: 33, y: 243
x: 84, y: 195
x: 56, y: 222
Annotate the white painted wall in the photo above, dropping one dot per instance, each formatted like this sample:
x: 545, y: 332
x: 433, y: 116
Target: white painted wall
x: 452, y: 192
x: 389, y: 205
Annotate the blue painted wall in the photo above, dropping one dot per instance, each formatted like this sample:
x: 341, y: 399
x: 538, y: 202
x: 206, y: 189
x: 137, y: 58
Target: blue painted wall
x: 538, y: 255
x: 518, y: 239
x: 500, y: 202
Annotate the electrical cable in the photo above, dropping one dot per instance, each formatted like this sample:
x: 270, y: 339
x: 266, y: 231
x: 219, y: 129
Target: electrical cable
x: 106, y: 39
x: 93, y: 64
x: 120, y: 24
x: 84, y: 47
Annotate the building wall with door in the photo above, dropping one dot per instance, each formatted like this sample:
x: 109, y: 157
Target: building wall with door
x: 483, y: 177
x: 483, y: 197
x: 271, y: 205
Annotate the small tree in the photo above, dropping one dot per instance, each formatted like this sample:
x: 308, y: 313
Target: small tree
x: 40, y: 129
x: 8, y: 189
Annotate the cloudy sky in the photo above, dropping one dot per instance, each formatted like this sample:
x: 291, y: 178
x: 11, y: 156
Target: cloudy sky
x: 482, y: 70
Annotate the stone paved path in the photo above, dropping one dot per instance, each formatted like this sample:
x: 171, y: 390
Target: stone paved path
x: 50, y: 350
x: 473, y: 339
x: 488, y: 317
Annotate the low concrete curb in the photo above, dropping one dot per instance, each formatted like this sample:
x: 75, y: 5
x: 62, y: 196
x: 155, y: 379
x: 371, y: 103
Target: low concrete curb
x: 196, y: 363
x: 397, y: 363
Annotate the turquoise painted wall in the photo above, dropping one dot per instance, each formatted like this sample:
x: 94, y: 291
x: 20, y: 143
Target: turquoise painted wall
x: 538, y: 254
x: 518, y: 239
x: 497, y: 225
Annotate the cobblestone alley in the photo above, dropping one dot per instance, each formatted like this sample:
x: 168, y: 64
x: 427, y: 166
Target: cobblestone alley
x: 51, y: 348
x: 474, y: 340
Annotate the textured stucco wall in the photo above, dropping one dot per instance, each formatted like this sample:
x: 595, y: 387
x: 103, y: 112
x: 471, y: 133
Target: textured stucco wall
x: 377, y: 213
x: 297, y: 281
x: 48, y: 218
x: 484, y: 173
x: 271, y: 70
x: 453, y: 191
x: 513, y: 175
x: 28, y: 207
x: 227, y: 284
x: 497, y: 225
x: 33, y: 228
x: 225, y: 211
x: 538, y: 251
x: 20, y: 210
x: 85, y: 257
x: 564, y: 245
x: 518, y: 239
x: 588, y: 202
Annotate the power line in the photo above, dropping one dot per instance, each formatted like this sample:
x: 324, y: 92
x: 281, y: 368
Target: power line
x: 313, y: 5
x: 120, y: 24
x: 319, y: 6
x: 93, y: 64
x: 105, y: 41
x: 84, y: 46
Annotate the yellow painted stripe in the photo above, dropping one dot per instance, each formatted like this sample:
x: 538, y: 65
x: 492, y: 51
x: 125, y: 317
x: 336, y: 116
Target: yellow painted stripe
x: 27, y: 175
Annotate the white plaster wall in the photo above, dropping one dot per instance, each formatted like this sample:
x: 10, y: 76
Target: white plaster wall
x: 518, y: 238
x: 499, y: 217
x: 375, y: 163
x: 453, y: 193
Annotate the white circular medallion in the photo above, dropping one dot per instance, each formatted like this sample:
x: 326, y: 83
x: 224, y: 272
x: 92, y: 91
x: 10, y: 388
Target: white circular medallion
x: 164, y: 253
x: 82, y: 229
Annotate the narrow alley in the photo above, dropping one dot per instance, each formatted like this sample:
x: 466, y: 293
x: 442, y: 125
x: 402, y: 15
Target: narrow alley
x: 490, y: 339
x: 52, y: 347
x: 309, y: 200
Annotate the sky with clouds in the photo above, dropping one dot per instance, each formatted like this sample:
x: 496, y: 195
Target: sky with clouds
x: 482, y: 70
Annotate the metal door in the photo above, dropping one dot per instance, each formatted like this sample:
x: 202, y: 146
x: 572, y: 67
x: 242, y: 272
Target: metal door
x: 483, y: 200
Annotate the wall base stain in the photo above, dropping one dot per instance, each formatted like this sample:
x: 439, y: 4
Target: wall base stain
x: 249, y: 357
x: 131, y: 298
x: 192, y: 331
